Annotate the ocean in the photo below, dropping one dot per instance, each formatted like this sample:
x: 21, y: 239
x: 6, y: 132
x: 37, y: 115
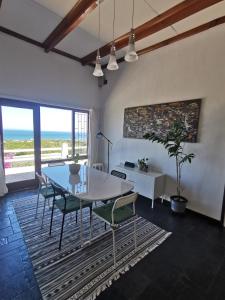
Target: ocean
x: 24, y: 135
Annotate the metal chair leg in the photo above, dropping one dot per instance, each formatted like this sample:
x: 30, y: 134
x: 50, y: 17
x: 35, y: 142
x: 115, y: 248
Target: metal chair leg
x: 114, y: 247
x: 90, y: 214
x: 81, y: 224
x: 91, y: 223
x: 61, y: 234
x: 37, y: 203
x: 76, y: 216
x: 135, y: 235
x: 43, y: 214
x: 53, y: 203
x: 49, y: 206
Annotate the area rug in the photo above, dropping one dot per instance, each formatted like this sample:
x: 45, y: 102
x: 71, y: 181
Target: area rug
x: 75, y: 272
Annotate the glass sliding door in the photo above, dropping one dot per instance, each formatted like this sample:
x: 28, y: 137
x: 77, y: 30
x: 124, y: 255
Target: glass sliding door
x: 33, y: 135
x: 81, y: 135
x: 56, y: 134
x: 18, y: 143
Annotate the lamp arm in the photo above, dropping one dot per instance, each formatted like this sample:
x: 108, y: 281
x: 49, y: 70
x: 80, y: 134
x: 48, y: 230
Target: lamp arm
x: 107, y: 139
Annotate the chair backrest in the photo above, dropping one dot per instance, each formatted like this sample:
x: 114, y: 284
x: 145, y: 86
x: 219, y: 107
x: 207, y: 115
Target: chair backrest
x: 41, y: 179
x: 98, y: 166
x: 57, y: 189
x: 123, y: 201
x: 56, y: 164
x: 118, y: 174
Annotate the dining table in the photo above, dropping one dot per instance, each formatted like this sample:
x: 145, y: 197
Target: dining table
x: 88, y: 184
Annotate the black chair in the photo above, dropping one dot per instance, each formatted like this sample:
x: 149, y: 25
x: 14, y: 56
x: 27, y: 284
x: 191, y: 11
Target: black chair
x: 66, y: 204
x: 119, y: 174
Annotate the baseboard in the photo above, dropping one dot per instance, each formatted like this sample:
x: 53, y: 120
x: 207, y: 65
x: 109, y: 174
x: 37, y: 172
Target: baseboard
x: 210, y: 219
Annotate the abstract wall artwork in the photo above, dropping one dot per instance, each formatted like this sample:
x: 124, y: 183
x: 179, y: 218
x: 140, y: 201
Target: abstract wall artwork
x: 158, y: 118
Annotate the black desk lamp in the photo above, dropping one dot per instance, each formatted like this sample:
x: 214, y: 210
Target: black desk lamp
x: 101, y: 135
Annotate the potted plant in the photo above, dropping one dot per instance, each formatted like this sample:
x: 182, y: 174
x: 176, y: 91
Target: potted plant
x: 143, y: 164
x: 174, y: 144
x: 75, y: 168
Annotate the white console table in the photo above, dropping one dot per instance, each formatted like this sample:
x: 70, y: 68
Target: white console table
x: 148, y: 184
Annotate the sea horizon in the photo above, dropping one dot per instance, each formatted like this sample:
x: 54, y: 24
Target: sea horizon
x: 23, y: 135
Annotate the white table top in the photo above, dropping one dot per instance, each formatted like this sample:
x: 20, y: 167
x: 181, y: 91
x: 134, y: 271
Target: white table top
x: 89, y: 184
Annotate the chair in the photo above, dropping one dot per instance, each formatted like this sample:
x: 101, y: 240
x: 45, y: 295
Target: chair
x: 56, y: 164
x: 98, y: 166
x: 66, y: 204
x: 116, y: 213
x: 46, y: 190
x: 119, y: 174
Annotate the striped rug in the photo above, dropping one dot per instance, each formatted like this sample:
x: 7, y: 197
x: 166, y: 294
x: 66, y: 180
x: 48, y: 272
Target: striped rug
x: 81, y: 273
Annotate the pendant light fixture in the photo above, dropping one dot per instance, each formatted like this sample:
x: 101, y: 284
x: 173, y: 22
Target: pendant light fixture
x: 131, y: 54
x: 98, y: 68
x: 112, y: 64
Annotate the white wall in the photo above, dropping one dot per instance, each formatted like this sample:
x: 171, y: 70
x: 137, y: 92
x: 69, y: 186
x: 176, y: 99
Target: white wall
x: 193, y: 68
x: 28, y: 73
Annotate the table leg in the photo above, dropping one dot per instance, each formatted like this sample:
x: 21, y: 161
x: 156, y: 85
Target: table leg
x: 81, y: 224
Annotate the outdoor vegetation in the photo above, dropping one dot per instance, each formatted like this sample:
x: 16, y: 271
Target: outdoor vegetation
x: 29, y: 144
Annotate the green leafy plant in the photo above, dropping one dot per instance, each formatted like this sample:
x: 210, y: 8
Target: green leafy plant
x: 76, y: 158
x: 143, y: 164
x: 174, y: 144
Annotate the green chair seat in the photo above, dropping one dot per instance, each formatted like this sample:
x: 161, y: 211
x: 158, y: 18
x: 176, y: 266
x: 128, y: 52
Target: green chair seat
x: 120, y: 214
x: 72, y: 204
x: 47, y: 191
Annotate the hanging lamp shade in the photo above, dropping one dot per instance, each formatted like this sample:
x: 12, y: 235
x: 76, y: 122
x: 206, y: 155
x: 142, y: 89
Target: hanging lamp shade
x: 131, y: 54
x: 112, y: 64
x: 98, y: 68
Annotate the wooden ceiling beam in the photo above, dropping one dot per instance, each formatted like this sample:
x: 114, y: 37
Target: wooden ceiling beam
x: 166, y: 19
x: 178, y: 37
x: 36, y: 43
x: 39, y: 44
x: 75, y: 16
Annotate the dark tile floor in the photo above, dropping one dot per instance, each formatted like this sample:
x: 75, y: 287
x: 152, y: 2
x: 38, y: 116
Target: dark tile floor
x: 189, y: 265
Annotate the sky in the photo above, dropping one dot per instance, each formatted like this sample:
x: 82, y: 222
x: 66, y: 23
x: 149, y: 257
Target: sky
x: 52, y: 119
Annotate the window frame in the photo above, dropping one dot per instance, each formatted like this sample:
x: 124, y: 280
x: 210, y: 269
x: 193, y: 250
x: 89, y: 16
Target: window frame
x: 35, y: 106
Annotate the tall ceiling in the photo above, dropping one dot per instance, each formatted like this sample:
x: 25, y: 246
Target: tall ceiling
x: 38, y: 18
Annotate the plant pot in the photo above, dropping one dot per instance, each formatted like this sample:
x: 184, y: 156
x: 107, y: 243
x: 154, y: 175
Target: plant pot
x: 143, y: 168
x: 178, y: 204
x: 74, y: 168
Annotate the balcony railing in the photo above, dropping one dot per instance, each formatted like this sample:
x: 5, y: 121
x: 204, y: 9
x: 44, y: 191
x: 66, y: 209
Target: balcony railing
x: 15, y: 157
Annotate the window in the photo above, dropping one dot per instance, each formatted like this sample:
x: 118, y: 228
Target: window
x: 81, y: 133
x: 18, y: 143
x: 56, y: 133
x: 33, y: 135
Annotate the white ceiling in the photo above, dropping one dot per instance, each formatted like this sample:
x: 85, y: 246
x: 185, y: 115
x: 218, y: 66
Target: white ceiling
x: 37, y: 18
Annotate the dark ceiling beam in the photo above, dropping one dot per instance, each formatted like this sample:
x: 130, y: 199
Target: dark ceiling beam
x: 36, y: 43
x: 20, y: 36
x: 166, y: 19
x: 179, y: 37
x: 75, y: 16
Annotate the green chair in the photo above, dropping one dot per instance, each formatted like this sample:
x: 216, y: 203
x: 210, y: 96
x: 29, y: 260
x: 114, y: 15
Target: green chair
x: 119, y: 175
x: 115, y: 213
x: 45, y: 189
x: 66, y: 204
